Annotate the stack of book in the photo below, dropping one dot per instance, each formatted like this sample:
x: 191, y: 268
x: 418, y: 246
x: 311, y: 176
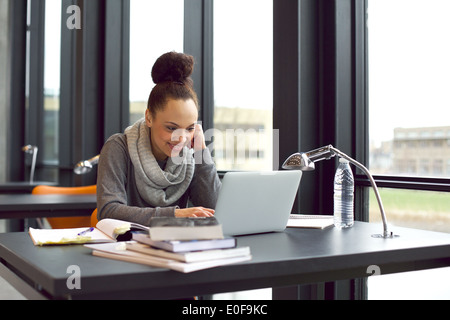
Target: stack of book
x: 180, y: 244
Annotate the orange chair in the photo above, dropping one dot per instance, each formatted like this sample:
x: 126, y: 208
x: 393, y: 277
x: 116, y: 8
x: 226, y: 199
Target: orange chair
x: 94, y: 218
x: 69, y: 222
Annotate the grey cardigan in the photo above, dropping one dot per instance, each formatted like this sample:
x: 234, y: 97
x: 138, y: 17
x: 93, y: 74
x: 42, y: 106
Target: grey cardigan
x: 118, y: 196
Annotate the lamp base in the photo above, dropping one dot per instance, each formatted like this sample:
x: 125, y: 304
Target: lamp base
x: 387, y: 236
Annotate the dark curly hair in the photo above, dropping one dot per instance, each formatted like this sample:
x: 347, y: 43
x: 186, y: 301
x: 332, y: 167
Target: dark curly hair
x: 172, y: 75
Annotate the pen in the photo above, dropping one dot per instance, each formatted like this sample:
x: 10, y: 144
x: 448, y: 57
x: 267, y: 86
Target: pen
x: 82, y: 233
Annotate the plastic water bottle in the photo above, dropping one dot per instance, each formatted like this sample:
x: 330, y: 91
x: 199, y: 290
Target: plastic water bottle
x: 344, y: 186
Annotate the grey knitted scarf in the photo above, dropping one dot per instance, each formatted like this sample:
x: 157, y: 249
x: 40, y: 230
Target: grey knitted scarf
x: 159, y: 188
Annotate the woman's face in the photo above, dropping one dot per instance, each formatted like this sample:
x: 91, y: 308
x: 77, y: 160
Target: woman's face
x: 172, y: 128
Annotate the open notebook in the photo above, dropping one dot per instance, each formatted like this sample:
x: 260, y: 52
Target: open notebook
x: 107, y: 230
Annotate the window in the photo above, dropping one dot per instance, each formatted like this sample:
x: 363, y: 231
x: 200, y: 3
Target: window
x: 408, y: 77
x: 52, y: 58
x: 156, y: 27
x: 243, y: 78
x: 408, y: 74
x: 413, y: 209
x: 42, y: 85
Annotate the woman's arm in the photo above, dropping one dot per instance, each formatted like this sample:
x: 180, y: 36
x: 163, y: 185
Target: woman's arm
x: 116, y: 197
x: 205, y: 185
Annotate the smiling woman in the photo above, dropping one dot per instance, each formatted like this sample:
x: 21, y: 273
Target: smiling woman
x: 149, y: 170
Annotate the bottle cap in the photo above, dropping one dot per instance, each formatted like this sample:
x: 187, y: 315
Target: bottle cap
x: 342, y: 160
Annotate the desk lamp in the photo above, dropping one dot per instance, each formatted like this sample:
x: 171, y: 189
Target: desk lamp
x: 85, y: 166
x: 305, y: 161
x: 31, y: 150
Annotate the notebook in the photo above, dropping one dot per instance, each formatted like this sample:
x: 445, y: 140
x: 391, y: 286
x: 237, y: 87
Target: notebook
x: 256, y: 202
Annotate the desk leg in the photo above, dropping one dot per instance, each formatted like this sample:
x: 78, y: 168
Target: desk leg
x: 21, y: 225
x: 352, y: 289
x: 15, y: 225
x: 300, y: 292
x: 24, y: 288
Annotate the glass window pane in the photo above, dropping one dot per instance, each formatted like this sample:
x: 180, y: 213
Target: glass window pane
x: 413, y: 209
x: 408, y: 81
x: 52, y: 77
x: 243, y: 84
x: 157, y: 26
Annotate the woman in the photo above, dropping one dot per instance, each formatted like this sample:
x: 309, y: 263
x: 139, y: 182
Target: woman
x: 149, y: 170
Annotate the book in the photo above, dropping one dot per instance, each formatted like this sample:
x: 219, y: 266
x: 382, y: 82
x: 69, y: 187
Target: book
x: 187, y: 245
x: 189, y: 256
x: 119, y: 252
x: 168, y: 228
x: 106, y: 230
x: 310, y: 221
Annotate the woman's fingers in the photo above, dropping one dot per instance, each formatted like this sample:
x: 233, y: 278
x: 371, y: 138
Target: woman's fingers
x: 198, y: 138
x: 195, y: 212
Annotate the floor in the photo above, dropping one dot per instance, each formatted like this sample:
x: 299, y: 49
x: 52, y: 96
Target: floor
x: 418, y: 285
x: 7, y: 292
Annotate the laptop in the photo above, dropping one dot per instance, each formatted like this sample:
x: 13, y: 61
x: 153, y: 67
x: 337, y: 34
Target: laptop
x: 256, y: 202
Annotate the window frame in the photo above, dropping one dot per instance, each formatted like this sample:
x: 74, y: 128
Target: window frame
x: 198, y: 42
x: 324, y: 42
x: 16, y: 130
x: 90, y: 92
x: 320, y: 98
x: 394, y: 181
x: 320, y: 91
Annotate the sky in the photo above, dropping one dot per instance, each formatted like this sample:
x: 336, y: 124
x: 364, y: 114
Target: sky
x: 242, y: 48
x: 243, y: 53
x: 156, y: 27
x: 409, y: 65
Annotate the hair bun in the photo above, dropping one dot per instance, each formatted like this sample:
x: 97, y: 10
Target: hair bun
x: 173, y: 66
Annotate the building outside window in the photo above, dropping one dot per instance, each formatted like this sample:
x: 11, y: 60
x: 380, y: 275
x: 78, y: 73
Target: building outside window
x: 409, y: 129
x: 243, y: 85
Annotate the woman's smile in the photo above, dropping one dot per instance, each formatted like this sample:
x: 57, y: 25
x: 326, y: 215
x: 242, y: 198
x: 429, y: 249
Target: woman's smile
x: 176, y: 147
x: 172, y: 128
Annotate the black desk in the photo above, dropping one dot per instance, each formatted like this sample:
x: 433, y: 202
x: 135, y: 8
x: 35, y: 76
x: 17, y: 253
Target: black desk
x: 27, y: 206
x: 296, y: 256
x: 22, y: 186
x: 20, y: 206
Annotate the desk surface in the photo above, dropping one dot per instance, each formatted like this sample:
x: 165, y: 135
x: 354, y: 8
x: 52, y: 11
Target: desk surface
x: 296, y: 256
x: 22, y: 186
x: 19, y: 206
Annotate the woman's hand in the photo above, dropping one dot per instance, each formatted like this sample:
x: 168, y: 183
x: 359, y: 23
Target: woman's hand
x: 196, y: 212
x: 198, y: 140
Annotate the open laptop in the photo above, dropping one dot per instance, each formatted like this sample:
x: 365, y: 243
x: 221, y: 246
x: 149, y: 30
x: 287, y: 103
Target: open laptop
x: 256, y: 202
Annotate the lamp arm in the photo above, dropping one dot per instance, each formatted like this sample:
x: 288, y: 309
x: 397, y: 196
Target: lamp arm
x: 372, y: 182
x: 94, y: 160
x: 31, y: 150
x: 33, y: 164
